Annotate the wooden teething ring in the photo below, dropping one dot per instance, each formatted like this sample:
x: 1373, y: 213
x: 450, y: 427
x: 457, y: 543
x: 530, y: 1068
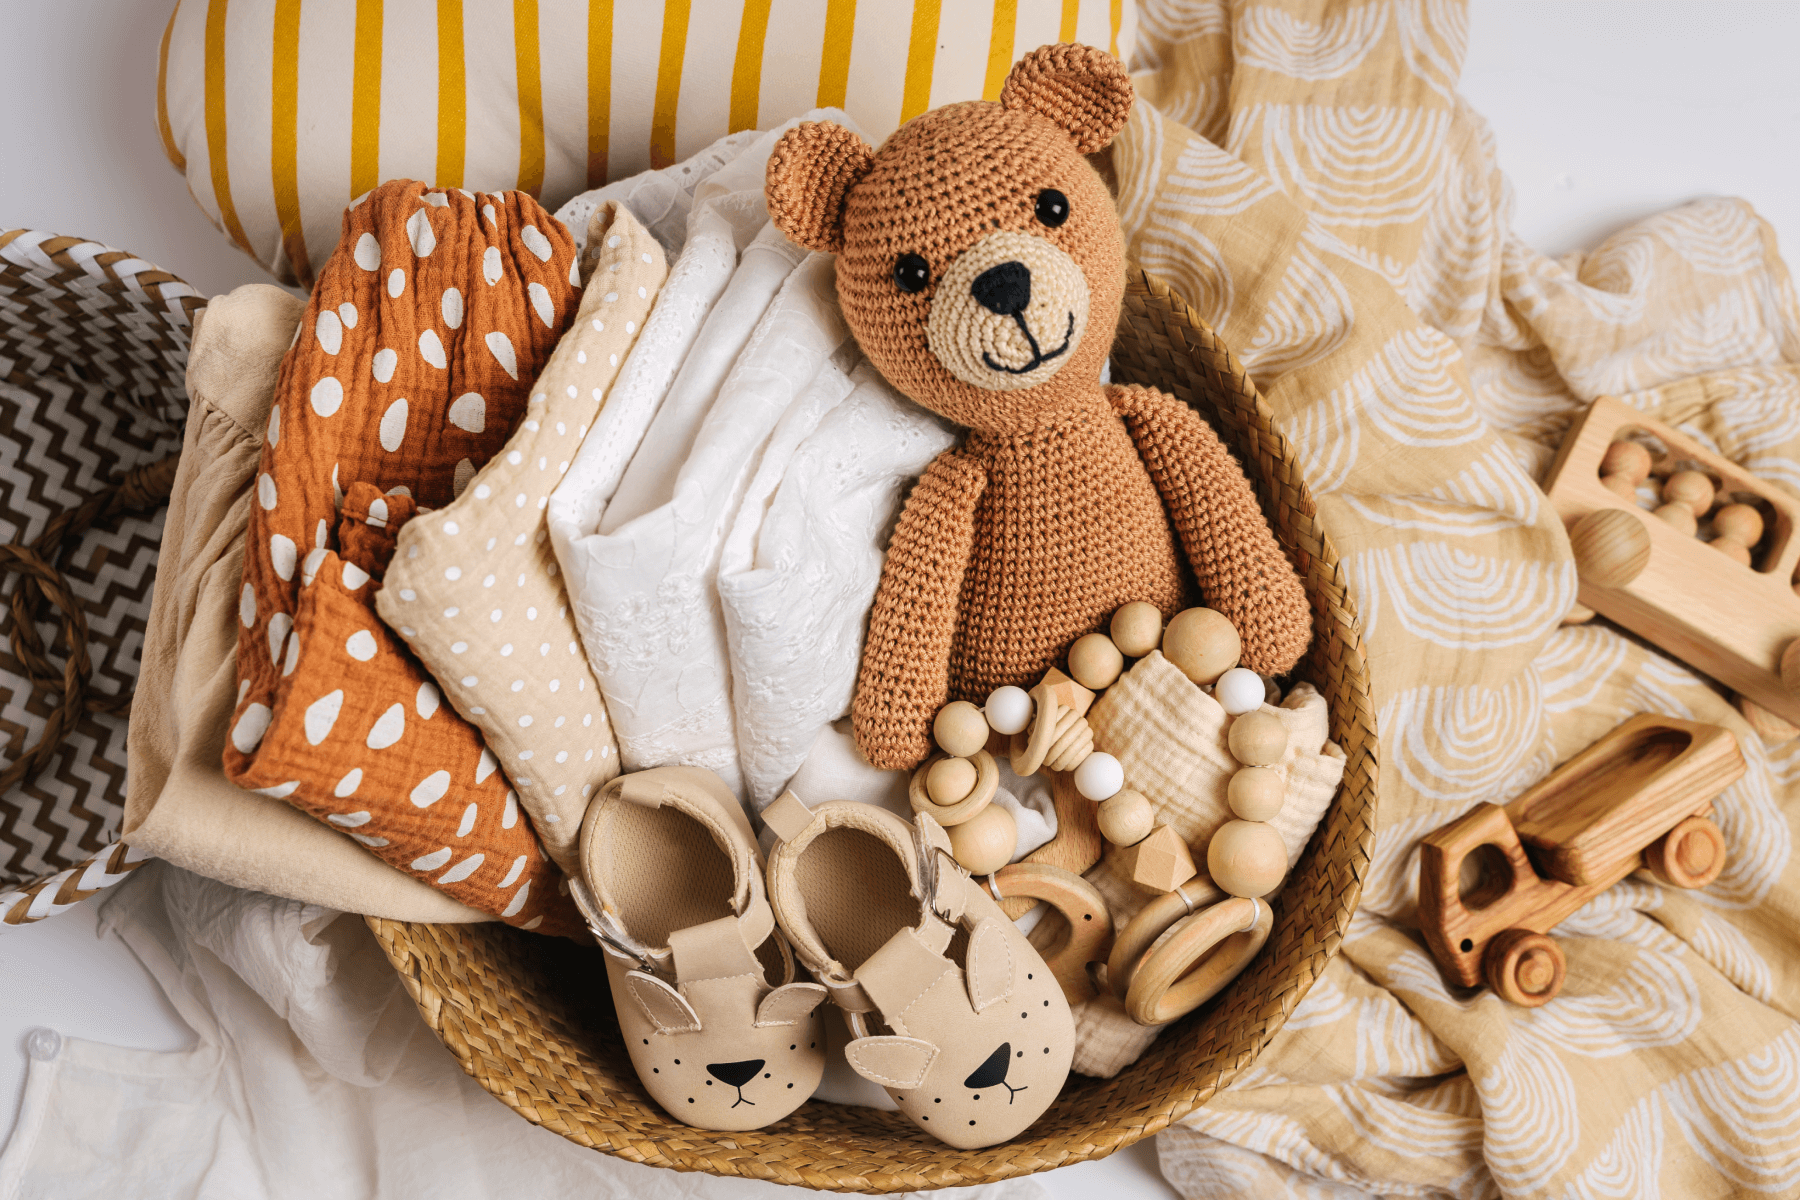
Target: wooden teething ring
x: 1090, y: 929
x: 1196, y: 958
x: 1150, y: 923
x: 1029, y: 751
x: 987, y: 782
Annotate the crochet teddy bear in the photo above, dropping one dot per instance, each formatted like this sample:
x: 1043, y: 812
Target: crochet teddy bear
x: 981, y: 268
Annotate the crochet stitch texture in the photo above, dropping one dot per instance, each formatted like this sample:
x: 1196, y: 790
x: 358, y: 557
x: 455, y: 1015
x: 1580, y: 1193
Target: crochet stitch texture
x: 1067, y: 499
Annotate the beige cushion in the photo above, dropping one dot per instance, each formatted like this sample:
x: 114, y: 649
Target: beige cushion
x: 279, y: 120
x: 522, y: 680
x: 179, y: 805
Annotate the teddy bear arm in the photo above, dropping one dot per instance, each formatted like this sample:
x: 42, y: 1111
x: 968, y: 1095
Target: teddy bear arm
x: 904, y: 677
x: 1236, y: 560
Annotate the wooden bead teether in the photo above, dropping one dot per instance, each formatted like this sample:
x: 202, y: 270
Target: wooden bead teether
x: 1137, y: 628
x: 1202, y: 643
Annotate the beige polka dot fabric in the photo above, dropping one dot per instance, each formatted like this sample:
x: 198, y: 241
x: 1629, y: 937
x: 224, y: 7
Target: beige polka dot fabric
x: 404, y: 378
x: 475, y: 588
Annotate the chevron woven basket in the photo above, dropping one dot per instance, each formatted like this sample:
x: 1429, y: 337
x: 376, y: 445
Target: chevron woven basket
x: 93, y: 349
x: 529, y: 1019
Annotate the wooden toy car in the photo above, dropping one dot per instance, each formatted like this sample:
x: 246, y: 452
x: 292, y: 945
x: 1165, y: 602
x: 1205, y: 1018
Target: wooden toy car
x: 1739, y: 624
x: 1641, y: 795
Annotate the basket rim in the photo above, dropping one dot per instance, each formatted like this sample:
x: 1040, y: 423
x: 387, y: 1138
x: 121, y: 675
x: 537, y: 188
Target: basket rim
x: 452, y: 1001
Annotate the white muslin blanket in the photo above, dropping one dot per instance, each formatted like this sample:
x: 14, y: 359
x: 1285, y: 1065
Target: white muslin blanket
x: 311, y: 1076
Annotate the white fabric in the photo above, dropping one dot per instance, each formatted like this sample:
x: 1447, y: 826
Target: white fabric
x: 645, y: 595
x: 800, y: 567
x: 312, y: 1076
x: 762, y: 267
x: 660, y: 200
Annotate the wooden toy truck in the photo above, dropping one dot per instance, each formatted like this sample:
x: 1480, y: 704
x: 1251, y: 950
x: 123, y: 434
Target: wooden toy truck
x: 1641, y: 795
x: 1739, y: 624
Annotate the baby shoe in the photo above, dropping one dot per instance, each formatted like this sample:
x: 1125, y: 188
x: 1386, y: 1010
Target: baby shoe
x: 950, y: 1008
x: 703, y: 983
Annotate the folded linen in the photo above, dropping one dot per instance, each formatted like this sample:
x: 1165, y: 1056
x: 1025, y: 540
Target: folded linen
x: 179, y: 805
x: 476, y: 590
x: 660, y: 200
x: 430, y: 295
x: 799, y: 569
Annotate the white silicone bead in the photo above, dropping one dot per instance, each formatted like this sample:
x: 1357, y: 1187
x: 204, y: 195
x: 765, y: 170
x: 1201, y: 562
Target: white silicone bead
x: 1008, y: 709
x: 1100, y: 776
x: 1239, y: 690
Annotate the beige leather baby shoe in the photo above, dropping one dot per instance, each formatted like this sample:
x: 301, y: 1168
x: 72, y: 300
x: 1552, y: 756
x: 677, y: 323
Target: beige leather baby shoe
x: 720, y: 1033
x: 950, y: 1008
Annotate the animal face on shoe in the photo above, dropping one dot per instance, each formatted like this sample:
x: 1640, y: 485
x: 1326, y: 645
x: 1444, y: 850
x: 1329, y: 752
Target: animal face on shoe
x: 726, y: 1054
x: 977, y: 248
x: 975, y: 1082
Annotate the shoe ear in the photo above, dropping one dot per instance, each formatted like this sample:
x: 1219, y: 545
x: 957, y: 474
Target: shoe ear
x: 667, y: 1008
x: 989, y: 970
x: 811, y: 172
x: 896, y: 1062
x: 789, y: 1004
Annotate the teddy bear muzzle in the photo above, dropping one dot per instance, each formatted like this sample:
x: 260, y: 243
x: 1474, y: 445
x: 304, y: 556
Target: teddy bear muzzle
x: 1008, y: 313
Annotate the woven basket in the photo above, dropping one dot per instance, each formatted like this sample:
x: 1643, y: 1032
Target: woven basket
x: 93, y: 350
x: 530, y: 1018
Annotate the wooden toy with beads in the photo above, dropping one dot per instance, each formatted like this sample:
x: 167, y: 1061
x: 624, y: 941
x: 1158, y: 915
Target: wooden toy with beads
x: 1727, y: 608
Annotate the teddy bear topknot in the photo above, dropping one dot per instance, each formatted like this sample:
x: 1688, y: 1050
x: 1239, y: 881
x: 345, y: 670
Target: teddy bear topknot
x: 981, y: 268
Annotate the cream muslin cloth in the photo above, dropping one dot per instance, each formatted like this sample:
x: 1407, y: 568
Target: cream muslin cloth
x: 178, y: 804
x: 1307, y: 176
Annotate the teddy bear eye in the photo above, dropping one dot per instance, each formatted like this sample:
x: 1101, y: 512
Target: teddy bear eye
x: 1052, y: 207
x: 911, y: 273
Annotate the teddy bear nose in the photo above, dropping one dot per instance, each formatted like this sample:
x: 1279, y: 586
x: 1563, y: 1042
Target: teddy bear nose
x: 1004, y: 289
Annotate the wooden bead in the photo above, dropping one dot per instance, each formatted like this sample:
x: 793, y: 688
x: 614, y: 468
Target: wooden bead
x: 1736, y: 551
x: 1626, y: 458
x: 950, y: 780
x: 1095, y: 662
x: 960, y: 729
x: 1739, y: 522
x: 985, y: 842
x: 1127, y: 818
x: 1202, y: 643
x: 1256, y: 793
x: 1611, y: 547
x: 1690, y: 488
x: 1008, y: 709
x: 1246, y: 858
x: 1678, y: 515
x: 1258, y: 739
x: 1620, y: 486
x: 1137, y: 628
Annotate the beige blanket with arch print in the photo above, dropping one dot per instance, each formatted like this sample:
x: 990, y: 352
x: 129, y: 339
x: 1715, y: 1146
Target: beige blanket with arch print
x: 1307, y: 176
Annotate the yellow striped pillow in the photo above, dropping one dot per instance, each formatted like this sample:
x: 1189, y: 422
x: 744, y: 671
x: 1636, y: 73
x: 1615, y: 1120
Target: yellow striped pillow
x: 282, y: 111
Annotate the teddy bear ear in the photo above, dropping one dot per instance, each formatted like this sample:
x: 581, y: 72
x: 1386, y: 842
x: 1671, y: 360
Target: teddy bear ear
x: 1084, y: 90
x: 813, y: 168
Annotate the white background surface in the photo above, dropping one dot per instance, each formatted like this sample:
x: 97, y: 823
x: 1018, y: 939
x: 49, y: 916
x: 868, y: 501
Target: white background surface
x: 1603, y: 113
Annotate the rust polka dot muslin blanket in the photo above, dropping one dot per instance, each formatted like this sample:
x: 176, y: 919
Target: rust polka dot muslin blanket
x: 424, y: 333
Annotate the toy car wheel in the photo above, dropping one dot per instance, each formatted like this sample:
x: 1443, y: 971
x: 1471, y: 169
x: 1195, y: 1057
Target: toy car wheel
x: 1691, y: 855
x: 1524, y: 968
